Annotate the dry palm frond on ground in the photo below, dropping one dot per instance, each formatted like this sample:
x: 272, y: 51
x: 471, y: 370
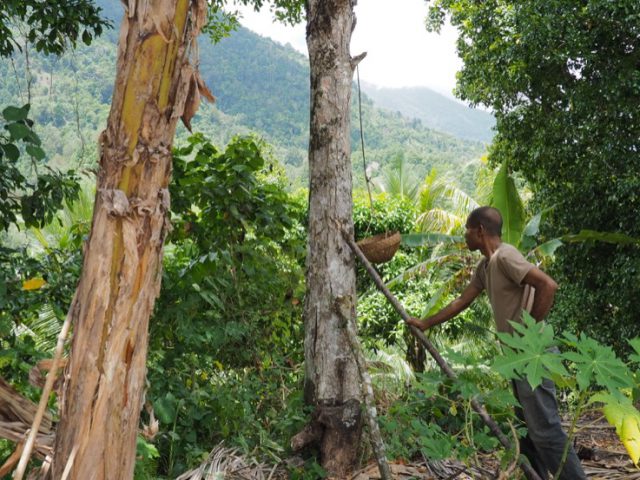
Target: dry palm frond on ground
x: 226, y: 463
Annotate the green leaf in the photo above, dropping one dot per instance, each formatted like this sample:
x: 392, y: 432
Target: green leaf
x: 18, y: 131
x: 15, y: 114
x: 548, y: 249
x: 533, y: 226
x: 165, y: 409
x: 86, y: 37
x: 505, y: 198
x: 413, y: 240
x: 526, y: 353
x: 635, y: 344
x: 35, y: 152
x: 607, y: 237
x: 11, y: 151
x: 597, y: 364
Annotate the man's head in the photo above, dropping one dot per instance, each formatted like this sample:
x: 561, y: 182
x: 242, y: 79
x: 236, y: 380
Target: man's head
x: 483, y: 222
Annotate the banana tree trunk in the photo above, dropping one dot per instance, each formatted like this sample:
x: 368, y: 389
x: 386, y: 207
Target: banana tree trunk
x: 104, y: 387
x: 331, y: 375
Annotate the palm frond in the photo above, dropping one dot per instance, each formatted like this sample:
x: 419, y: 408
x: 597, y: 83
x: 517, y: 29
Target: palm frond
x: 45, y: 328
x: 439, y: 220
x: 58, y: 233
x: 421, y: 269
x: 226, y: 464
x: 397, y: 179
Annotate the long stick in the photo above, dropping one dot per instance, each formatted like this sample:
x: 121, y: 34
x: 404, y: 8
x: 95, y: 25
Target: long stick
x: 44, y: 399
x: 477, y: 406
x: 345, y: 309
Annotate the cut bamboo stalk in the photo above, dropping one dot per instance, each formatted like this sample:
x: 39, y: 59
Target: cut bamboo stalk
x: 529, y: 472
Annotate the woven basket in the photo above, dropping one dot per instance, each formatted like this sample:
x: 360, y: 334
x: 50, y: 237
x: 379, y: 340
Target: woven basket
x: 380, y: 248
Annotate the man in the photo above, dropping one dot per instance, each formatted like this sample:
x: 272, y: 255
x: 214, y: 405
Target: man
x: 513, y: 284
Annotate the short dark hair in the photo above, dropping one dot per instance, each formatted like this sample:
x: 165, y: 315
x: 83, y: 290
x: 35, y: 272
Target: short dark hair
x: 488, y: 217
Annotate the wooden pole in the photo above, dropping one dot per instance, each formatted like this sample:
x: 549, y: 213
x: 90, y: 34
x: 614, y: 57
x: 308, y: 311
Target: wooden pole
x: 475, y: 404
x: 345, y: 309
x: 44, y: 399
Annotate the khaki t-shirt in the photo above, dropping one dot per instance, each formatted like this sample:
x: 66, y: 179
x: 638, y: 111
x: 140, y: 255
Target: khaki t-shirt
x: 501, y: 276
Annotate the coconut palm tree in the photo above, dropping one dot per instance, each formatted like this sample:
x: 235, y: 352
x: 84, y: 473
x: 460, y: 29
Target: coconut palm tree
x: 397, y: 179
x: 444, y: 207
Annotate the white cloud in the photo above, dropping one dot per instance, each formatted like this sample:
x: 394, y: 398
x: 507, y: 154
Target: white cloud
x: 400, y: 51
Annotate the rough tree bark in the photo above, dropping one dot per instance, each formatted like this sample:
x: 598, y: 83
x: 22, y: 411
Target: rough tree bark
x: 331, y: 375
x: 104, y: 382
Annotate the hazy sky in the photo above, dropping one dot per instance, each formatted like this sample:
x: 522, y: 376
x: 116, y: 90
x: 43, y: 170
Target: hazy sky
x: 400, y: 52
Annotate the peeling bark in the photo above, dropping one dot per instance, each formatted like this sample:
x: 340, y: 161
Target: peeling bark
x: 120, y: 281
x: 331, y: 376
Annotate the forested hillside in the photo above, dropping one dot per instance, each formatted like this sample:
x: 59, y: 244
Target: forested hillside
x: 436, y: 111
x: 260, y: 86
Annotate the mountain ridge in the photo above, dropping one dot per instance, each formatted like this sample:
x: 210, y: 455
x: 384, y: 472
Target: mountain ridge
x: 261, y: 86
x: 435, y: 110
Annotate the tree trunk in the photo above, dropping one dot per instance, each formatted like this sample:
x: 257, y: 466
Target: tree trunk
x: 105, y: 377
x: 331, y: 375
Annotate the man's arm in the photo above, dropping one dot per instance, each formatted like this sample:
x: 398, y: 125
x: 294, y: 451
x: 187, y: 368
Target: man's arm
x: 545, y: 292
x: 467, y: 296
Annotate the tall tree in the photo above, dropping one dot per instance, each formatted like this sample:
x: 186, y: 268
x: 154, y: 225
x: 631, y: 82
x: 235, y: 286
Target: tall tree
x: 331, y: 377
x: 155, y: 86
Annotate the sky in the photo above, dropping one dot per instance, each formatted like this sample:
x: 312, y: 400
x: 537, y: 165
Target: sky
x: 400, y: 51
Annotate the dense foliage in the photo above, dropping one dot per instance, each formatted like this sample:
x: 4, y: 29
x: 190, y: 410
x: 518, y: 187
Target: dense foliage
x: 562, y: 78
x: 24, y: 192
x: 50, y: 26
x: 226, y: 336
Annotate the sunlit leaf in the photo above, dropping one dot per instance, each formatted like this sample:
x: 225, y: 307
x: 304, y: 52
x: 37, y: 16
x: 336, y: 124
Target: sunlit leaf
x: 507, y: 200
x: 626, y: 418
x: 33, y: 283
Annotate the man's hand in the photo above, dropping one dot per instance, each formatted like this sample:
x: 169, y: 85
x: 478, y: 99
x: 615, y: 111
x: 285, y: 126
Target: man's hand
x: 419, y: 324
x: 467, y: 296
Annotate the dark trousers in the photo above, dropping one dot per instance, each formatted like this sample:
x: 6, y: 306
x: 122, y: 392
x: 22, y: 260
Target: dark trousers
x: 545, y: 440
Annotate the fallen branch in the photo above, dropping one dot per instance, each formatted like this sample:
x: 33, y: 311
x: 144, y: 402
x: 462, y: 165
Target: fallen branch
x: 11, y: 461
x: 15, y: 408
x: 475, y: 404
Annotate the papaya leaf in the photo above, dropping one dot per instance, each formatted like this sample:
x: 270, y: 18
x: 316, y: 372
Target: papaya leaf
x: 625, y: 417
x: 526, y: 353
x: 597, y: 364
